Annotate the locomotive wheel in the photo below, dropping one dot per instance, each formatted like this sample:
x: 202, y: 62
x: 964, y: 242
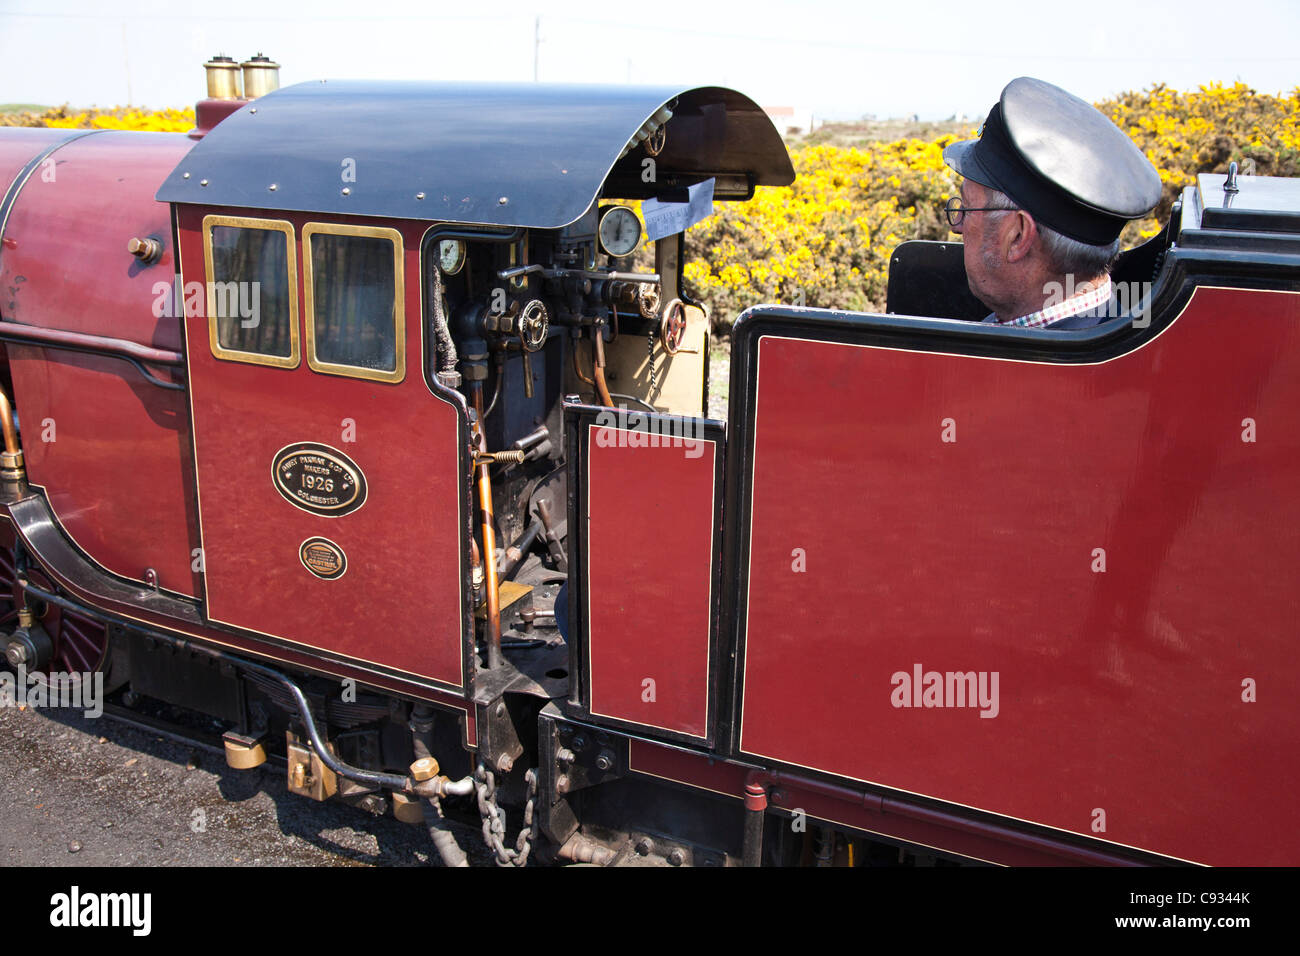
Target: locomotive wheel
x: 80, y: 642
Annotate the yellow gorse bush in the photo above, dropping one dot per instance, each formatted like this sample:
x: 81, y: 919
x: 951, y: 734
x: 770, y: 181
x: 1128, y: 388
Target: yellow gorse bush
x: 826, y: 240
x: 1188, y: 133
x: 120, y: 117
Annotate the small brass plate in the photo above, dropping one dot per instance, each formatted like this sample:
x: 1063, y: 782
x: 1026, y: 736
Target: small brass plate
x: 510, y: 592
x: 323, y: 558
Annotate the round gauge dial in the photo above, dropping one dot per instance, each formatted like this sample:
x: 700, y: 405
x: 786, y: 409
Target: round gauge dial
x: 451, y: 256
x: 620, y: 231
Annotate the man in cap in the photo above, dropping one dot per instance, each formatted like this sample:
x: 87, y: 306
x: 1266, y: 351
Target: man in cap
x: 1046, y: 190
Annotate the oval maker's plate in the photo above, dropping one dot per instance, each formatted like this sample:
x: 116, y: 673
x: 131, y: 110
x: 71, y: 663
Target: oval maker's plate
x: 319, y: 479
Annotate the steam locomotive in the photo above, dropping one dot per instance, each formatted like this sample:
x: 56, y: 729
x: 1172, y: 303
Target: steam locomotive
x: 369, y: 420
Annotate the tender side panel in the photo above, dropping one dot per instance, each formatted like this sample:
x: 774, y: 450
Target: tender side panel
x: 650, y: 559
x: 111, y: 450
x: 399, y: 602
x: 953, y: 512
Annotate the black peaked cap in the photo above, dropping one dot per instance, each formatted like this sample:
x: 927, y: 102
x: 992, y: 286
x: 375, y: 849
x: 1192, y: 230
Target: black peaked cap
x: 1061, y: 160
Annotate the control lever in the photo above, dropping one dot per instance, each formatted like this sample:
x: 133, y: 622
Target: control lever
x: 552, y: 539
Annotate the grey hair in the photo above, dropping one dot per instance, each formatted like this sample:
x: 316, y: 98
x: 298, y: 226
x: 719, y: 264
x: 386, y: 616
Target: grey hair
x: 1067, y: 256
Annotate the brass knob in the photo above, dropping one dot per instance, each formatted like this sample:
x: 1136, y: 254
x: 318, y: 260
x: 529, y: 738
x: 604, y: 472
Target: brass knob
x: 146, y: 250
x: 426, y: 768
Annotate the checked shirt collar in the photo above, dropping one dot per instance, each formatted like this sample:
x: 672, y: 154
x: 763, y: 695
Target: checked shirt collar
x: 1083, y: 302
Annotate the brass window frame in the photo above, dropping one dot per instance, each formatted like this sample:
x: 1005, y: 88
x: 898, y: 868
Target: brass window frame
x: 294, y: 358
x: 398, y: 373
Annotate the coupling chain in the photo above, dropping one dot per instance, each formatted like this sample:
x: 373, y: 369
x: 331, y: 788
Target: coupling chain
x: 650, y: 345
x: 494, y: 818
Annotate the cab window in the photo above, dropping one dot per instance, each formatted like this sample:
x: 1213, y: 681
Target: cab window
x: 252, y: 290
x: 355, y: 316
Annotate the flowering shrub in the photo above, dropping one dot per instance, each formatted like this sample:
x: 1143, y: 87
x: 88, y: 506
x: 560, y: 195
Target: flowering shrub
x: 825, y: 240
x: 120, y: 117
x: 1188, y: 133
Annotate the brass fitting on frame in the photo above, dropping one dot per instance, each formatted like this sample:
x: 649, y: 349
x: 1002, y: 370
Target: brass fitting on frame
x: 11, y: 459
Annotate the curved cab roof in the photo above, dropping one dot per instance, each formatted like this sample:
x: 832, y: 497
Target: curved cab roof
x: 531, y: 155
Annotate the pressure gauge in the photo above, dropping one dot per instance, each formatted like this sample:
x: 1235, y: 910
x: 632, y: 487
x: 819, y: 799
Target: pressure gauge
x: 620, y: 231
x: 451, y: 256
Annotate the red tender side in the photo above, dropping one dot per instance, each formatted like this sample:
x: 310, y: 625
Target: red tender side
x: 1151, y: 704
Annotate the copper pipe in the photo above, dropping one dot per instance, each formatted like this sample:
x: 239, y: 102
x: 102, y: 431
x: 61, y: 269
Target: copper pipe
x: 577, y: 370
x: 11, y: 436
x: 598, y: 367
x: 11, y: 460
x: 489, y: 541
x: 14, y: 331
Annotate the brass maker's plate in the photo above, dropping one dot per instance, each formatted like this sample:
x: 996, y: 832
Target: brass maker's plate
x: 323, y: 558
x: 319, y: 479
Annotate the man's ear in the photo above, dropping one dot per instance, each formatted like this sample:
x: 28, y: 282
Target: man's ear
x: 1021, y: 236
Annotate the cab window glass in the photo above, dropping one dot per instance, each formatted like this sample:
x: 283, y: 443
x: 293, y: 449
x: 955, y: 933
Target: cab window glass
x: 252, y: 290
x: 354, y: 321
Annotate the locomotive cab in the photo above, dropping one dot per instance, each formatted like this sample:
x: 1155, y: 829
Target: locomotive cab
x: 411, y: 311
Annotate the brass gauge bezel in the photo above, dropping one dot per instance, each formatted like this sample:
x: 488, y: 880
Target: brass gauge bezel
x: 605, y: 214
x: 461, y: 256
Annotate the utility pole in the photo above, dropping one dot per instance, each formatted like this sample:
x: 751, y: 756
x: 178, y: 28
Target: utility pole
x: 126, y: 62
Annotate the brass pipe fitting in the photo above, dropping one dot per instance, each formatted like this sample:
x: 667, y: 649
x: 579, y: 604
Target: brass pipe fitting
x: 11, y: 459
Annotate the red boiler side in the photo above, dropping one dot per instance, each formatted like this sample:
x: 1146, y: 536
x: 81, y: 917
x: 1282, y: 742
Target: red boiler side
x: 107, y: 439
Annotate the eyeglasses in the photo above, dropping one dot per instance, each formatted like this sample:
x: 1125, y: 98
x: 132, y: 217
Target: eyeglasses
x: 955, y: 211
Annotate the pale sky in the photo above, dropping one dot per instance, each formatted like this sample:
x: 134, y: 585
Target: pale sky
x: 832, y: 58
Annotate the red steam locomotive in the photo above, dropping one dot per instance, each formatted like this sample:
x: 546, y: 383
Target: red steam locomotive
x: 356, y: 423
